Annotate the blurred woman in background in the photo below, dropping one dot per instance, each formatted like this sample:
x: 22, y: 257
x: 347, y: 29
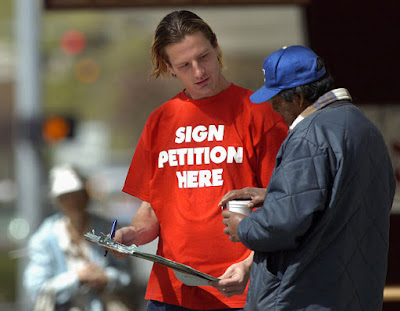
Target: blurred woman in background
x: 65, y: 272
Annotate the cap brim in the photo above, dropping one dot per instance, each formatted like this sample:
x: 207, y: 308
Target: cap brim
x: 263, y: 94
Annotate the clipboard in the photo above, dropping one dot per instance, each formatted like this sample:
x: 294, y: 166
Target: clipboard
x: 186, y: 274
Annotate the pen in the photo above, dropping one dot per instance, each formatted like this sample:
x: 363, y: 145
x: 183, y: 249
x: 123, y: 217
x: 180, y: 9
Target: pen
x: 112, y: 233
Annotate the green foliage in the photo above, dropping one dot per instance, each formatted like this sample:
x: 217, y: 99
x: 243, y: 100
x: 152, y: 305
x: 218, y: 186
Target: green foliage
x: 6, y: 15
x: 8, y: 272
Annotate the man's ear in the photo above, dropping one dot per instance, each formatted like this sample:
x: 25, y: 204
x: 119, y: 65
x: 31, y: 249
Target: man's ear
x: 300, y: 100
x: 171, y: 71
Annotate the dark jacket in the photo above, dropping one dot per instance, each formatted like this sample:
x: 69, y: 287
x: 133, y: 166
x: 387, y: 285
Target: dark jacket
x: 321, y: 238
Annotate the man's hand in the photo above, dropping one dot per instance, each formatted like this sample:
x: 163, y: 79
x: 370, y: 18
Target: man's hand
x: 234, y: 280
x: 255, y: 195
x: 124, y: 236
x: 231, y: 221
x: 143, y: 229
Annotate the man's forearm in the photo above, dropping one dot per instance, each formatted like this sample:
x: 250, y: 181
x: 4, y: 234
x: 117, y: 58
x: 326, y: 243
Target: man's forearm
x: 145, y: 225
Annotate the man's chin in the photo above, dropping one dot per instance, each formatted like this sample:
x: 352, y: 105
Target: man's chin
x: 201, y: 93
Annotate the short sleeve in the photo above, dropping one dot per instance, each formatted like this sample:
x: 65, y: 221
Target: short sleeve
x: 138, y: 179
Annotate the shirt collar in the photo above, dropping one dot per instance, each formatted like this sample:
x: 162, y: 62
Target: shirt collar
x: 323, y: 101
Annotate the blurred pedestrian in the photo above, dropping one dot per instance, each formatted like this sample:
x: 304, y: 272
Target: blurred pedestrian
x: 64, y: 271
x: 321, y: 236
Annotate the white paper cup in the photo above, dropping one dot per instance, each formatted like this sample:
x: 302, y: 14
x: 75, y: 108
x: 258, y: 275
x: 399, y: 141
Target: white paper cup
x: 239, y: 206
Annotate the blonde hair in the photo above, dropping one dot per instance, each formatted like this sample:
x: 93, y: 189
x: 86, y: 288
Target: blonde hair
x: 172, y: 29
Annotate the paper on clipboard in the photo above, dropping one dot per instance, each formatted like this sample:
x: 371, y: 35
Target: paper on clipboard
x: 186, y: 274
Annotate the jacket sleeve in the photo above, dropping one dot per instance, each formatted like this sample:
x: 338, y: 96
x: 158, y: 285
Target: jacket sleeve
x: 297, y: 193
x: 40, y: 273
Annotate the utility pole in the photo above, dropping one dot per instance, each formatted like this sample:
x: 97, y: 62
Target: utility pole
x: 28, y: 164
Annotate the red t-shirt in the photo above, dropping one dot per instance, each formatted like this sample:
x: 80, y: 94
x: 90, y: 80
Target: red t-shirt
x: 191, y: 152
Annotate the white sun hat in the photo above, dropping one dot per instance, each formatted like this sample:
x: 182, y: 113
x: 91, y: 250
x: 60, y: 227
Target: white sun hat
x: 65, y: 179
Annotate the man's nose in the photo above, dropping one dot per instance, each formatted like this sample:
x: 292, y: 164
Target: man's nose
x: 198, y: 70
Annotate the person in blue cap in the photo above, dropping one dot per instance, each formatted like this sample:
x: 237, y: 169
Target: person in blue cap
x: 321, y: 233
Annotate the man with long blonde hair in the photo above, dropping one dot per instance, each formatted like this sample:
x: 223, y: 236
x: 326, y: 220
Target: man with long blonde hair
x: 205, y: 141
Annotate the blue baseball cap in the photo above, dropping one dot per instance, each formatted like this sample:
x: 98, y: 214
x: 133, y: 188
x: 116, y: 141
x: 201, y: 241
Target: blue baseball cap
x: 287, y: 68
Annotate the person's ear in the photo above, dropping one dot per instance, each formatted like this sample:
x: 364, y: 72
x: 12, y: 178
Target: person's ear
x: 170, y: 69
x: 300, y: 100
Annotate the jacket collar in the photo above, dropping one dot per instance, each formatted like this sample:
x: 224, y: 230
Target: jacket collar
x: 323, y: 101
